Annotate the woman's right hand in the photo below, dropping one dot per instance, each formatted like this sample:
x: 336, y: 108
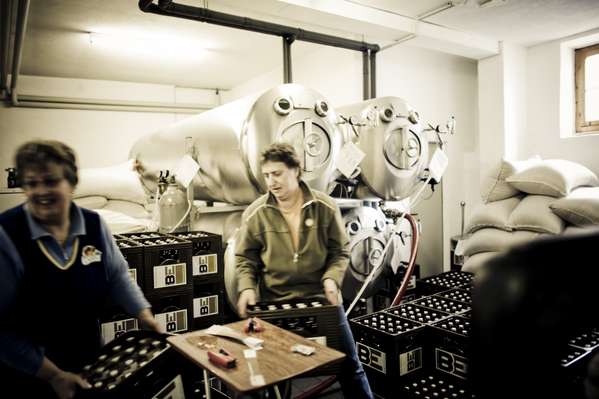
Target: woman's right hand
x: 247, y: 297
x: 66, y: 384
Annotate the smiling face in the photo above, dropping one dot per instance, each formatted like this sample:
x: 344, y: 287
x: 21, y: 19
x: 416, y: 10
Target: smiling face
x: 48, y: 193
x: 281, y: 180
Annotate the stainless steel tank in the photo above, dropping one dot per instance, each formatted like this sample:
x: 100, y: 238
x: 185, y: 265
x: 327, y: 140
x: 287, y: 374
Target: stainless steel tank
x: 388, y: 131
x: 228, y: 141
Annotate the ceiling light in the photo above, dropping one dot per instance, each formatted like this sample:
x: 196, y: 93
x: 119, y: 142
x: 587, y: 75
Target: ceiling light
x: 148, y: 45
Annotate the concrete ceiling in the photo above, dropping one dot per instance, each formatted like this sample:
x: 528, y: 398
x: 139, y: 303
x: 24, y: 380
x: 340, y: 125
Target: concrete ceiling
x: 58, y: 42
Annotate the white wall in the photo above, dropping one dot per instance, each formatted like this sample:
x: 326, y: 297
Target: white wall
x: 100, y: 138
x: 437, y: 85
x: 544, y: 96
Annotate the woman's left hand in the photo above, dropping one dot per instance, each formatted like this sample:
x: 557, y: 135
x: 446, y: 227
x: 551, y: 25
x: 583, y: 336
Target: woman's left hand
x: 147, y: 319
x: 331, y: 292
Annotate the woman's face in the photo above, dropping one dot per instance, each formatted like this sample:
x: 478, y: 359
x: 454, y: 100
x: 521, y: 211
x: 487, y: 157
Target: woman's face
x: 48, y: 193
x: 281, y: 180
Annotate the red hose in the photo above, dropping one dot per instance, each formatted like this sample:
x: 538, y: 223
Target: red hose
x: 411, y: 263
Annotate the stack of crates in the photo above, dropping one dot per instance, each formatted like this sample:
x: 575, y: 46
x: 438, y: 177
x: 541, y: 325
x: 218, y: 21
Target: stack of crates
x: 405, y: 347
x: 114, y: 321
x: 167, y: 282
x: 208, y: 278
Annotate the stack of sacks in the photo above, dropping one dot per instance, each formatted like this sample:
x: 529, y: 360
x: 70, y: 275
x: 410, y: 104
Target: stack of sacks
x: 525, y: 199
x: 117, y: 194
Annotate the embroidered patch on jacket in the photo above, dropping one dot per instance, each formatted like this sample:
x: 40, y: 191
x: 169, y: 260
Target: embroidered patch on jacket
x: 90, y: 254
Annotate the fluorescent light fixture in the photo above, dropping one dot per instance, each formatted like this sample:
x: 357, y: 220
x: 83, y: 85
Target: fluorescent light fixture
x: 149, y: 45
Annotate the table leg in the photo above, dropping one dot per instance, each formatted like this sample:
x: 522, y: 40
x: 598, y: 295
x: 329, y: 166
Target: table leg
x: 207, y: 394
x: 277, y: 393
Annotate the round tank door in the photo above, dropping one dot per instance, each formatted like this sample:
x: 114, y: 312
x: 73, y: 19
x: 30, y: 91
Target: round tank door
x: 312, y: 143
x: 402, y: 148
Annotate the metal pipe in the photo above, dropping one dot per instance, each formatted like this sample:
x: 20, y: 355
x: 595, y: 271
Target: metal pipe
x: 5, y: 24
x: 21, y: 27
x: 366, y: 75
x: 29, y: 101
x: 287, y: 65
x: 171, y: 9
x: 373, y: 74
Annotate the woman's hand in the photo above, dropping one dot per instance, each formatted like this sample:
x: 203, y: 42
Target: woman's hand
x: 247, y: 297
x: 147, y: 319
x: 331, y: 292
x: 65, y: 384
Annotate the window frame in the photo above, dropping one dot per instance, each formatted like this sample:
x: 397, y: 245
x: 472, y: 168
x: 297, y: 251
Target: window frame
x: 580, y: 55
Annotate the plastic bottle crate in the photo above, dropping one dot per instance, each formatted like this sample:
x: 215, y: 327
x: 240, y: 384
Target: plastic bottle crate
x: 443, y: 304
x: 449, y: 346
x: 458, y: 294
x: 207, y: 256
x: 167, y: 265
x: 139, y: 364
x: 463, y: 277
x: 208, y: 305
x: 587, y: 340
x: 313, y: 318
x: 113, y: 325
x: 389, y: 347
x: 435, y: 284
x: 174, y: 312
x: 133, y: 253
x: 417, y: 313
x: 433, y: 385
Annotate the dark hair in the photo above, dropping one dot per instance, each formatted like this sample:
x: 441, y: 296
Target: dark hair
x: 282, y: 152
x: 39, y: 153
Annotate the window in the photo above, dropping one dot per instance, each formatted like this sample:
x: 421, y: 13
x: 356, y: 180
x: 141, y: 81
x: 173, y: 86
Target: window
x: 587, y: 89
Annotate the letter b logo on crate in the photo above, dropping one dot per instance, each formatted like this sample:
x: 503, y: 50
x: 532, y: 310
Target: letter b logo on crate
x: 372, y: 358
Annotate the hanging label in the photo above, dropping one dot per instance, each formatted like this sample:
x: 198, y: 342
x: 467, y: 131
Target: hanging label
x: 114, y: 329
x: 170, y: 275
x: 438, y: 164
x: 349, y: 158
x: 186, y: 169
x: 205, y: 306
x: 171, y: 322
x: 204, y: 264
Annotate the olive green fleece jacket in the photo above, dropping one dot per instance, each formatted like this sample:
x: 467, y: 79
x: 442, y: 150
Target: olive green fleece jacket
x: 265, y: 255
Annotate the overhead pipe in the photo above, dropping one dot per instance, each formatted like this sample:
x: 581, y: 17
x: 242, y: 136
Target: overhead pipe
x: 287, y: 65
x: 171, y: 9
x: 5, y: 24
x: 21, y: 27
x: 29, y: 101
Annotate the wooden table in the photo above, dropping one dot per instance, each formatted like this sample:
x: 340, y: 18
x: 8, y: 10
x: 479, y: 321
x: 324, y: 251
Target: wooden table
x: 274, y: 363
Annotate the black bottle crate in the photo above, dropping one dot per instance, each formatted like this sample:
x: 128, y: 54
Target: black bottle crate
x: 173, y: 312
x: 138, y: 364
x: 312, y: 318
x: 446, y: 305
x: 208, y: 305
x: 116, y: 323
x: 433, y: 385
x: 207, y: 256
x: 449, y: 346
x: 167, y: 264
x: 390, y: 348
x: 133, y: 253
x: 417, y: 313
x: 458, y: 294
